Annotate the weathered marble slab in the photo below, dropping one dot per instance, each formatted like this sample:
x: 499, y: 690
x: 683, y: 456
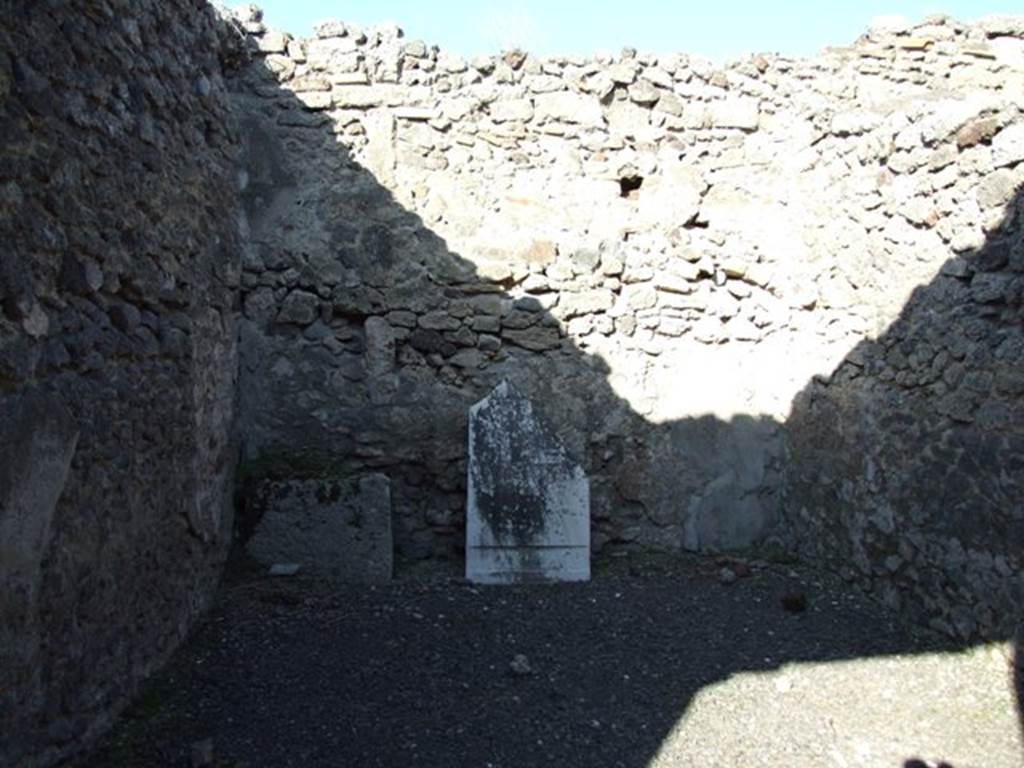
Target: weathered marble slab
x: 528, y: 502
x: 336, y: 528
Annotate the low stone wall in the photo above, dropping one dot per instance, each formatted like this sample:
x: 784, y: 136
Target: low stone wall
x: 663, y: 254
x: 118, y: 279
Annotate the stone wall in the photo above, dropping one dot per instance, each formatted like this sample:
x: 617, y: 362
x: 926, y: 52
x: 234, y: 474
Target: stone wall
x: 904, y: 466
x: 118, y: 283
x: 778, y: 298
x: 663, y: 254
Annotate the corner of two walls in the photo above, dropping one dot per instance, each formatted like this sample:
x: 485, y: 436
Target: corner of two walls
x: 700, y: 274
x: 776, y: 298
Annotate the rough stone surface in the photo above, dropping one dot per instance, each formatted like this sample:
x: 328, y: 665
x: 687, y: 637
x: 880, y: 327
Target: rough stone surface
x: 118, y: 280
x: 652, y: 663
x: 528, y: 502
x: 905, y: 464
x: 337, y: 528
x: 716, y: 244
x: 779, y: 298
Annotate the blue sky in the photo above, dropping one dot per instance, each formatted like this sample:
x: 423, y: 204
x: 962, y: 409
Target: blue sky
x: 717, y: 29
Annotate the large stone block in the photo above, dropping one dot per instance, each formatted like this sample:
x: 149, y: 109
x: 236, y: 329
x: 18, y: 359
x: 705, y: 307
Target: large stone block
x: 337, y: 528
x: 528, y: 502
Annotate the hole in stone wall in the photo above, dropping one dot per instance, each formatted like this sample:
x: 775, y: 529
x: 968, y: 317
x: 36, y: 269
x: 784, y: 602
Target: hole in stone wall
x: 629, y: 186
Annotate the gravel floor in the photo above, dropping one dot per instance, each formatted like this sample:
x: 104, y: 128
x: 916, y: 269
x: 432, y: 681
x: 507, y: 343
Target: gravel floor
x: 655, y: 662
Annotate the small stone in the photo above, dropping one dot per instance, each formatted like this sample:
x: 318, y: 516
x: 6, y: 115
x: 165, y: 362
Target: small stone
x: 486, y: 304
x: 330, y: 28
x: 976, y: 132
x: 300, y: 307
x: 991, y: 288
x: 82, y: 277
x: 34, y: 320
x: 1008, y: 146
x: 570, y: 108
x: 467, y: 358
x: 430, y: 342
x: 643, y: 92
x: 272, y: 41
x: 915, y: 43
x: 978, y: 50
x: 488, y: 343
x: 315, y: 99
x: 575, y: 304
x: 506, y: 110
x: 125, y: 317
x: 359, y: 77
x: 514, y: 58
x: 402, y: 318
x: 527, y: 304
x: 298, y: 119
x: 486, y: 324
x: 1003, y: 25
x: 520, y: 665
x: 585, y: 260
x: 623, y: 73
x: 284, y: 569
x: 540, y: 252
x: 482, y: 64
x: 416, y: 49
x: 601, y: 85
x: 996, y: 189
x: 415, y: 113
x: 956, y: 267
x: 439, y: 320
x: 726, y: 575
x: 536, y: 339
x: 356, y: 97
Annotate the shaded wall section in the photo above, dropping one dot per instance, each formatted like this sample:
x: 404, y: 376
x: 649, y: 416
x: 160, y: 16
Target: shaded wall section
x: 906, y: 464
x: 662, y: 253
x: 118, y: 276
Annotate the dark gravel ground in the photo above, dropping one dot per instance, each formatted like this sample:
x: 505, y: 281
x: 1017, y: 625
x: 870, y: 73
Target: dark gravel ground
x: 432, y: 671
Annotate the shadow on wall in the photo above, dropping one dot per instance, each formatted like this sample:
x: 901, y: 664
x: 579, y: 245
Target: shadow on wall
x: 365, y: 340
x: 118, y: 276
x: 905, y: 463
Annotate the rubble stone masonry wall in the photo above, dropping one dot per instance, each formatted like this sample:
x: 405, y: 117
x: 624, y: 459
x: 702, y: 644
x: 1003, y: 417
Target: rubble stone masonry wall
x: 773, y: 302
x: 119, y: 271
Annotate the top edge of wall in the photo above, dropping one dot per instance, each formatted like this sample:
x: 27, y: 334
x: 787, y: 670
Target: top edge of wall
x: 887, y: 34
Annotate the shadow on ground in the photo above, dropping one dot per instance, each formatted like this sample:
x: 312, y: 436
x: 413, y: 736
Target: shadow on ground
x: 655, y: 662
x: 425, y: 671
